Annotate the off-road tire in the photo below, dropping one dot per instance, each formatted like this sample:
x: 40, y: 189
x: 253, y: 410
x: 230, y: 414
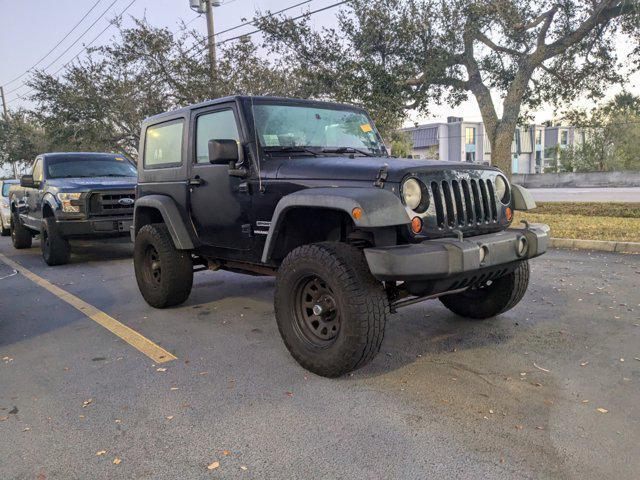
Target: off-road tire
x: 20, y: 235
x: 55, y: 248
x: 360, y: 301
x: 173, y: 284
x: 502, y: 295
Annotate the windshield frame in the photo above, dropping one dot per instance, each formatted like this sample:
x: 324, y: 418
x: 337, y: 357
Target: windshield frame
x: 76, y: 158
x: 268, y: 151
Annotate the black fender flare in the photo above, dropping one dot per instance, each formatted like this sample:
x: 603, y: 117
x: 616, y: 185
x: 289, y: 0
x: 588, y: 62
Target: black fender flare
x: 52, y: 201
x: 170, y: 215
x: 380, y: 208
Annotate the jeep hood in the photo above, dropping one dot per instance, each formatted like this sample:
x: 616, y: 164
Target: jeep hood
x: 357, y: 168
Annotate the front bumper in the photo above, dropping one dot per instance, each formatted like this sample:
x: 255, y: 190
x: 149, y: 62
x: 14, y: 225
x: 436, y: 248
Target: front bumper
x: 102, y: 227
x: 448, y: 257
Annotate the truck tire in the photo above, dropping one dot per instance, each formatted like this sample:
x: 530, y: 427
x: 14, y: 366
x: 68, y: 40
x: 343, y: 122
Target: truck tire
x: 20, y: 235
x: 487, y: 301
x: 164, y: 273
x: 330, y: 310
x: 55, y: 248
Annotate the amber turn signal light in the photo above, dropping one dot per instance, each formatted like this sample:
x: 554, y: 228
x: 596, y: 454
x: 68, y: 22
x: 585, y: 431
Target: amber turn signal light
x: 509, y: 214
x: 416, y: 225
x: 357, y: 213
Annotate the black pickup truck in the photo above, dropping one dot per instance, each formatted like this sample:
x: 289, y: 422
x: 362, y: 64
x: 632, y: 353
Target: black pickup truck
x: 72, y: 195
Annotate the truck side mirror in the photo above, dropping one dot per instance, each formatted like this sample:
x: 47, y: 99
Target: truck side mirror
x: 223, y: 151
x: 26, y: 181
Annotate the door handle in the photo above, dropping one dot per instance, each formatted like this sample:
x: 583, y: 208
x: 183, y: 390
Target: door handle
x: 196, y: 181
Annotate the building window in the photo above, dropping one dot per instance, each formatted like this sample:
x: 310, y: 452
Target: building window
x: 564, y: 137
x: 538, y: 139
x: 470, y: 136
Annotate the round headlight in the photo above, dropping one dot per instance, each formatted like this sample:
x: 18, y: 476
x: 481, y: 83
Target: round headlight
x: 412, y: 196
x: 502, y: 189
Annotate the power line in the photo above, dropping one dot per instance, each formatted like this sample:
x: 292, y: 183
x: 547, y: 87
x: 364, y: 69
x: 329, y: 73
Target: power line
x: 55, y: 46
x: 251, y: 22
x: 79, y: 53
x: 74, y: 42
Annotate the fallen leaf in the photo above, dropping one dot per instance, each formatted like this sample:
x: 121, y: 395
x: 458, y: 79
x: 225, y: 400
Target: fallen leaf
x: 169, y: 417
x: 118, y: 420
x: 491, y: 411
x: 26, y: 429
x: 87, y: 402
x: 584, y: 364
x: 539, y: 428
x: 116, y: 461
x: 203, y: 373
x: 174, y: 388
x: 622, y: 359
x: 585, y: 401
x: 213, y: 466
x: 243, y: 467
x: 3, y: 418
x: 161, y: 369
x: 540, y: 368
x: 100, y: 453
x: 289, y: 394
x: 519, y: 427
x: 226, y: 452
x: 548, y: 402
x: 602, y: 410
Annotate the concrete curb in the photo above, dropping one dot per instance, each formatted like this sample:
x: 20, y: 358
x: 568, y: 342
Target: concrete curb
x: 599, y: 245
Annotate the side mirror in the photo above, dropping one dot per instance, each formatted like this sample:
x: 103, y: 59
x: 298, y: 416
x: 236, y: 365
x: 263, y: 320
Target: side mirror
x: 223, y: 152
x: 27, y: 181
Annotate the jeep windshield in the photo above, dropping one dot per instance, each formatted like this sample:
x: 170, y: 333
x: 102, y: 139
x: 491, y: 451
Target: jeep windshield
x: 73, y: 166
x: 307, y: 129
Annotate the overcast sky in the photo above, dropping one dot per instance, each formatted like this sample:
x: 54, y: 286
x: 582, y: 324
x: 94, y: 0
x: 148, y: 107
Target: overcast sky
x: 29, y: 29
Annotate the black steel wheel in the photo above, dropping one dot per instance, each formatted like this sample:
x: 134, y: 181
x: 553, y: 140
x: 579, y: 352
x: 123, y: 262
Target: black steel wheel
x: 315, y: 311
x: 330, y: 310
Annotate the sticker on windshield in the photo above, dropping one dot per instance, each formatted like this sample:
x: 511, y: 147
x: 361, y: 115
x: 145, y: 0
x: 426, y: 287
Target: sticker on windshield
x: 271, y: 140
x: 120, y: 159
x: 366, y: 128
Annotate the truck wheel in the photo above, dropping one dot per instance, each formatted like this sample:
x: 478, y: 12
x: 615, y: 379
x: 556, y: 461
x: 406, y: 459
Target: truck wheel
x: 493, y: 299
x: 164, y: 274
x: 330, y: 310
x: 4, y: 230
x: 20, y: 235
x: 55, y: 248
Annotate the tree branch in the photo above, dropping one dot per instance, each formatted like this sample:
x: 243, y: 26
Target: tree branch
x: 493, y: 46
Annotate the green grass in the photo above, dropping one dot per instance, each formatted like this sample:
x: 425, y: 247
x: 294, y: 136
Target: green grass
x: 588, y: 221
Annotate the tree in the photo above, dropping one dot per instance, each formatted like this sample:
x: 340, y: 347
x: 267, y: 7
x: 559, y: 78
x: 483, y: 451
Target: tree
x: 20, y: 140
x: 398, y: 55
x: 100, y: 102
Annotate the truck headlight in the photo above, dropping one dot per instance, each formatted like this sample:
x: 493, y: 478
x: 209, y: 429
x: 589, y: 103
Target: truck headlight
x: 66, y: 202
x: 502, y: 189
x: 412, y: 194
x: 5, y: 204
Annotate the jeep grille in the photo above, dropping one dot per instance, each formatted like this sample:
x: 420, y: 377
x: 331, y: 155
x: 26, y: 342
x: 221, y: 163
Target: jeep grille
x: 108, y: 204
x: 461, y: 203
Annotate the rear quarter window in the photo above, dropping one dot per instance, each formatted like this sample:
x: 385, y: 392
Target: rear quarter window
x: 163, y: 144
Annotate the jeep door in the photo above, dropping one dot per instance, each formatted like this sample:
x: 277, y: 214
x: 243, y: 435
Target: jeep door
x: 220, y: 208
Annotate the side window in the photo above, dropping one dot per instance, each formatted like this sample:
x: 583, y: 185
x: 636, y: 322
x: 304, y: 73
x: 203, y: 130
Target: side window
x: 163, y: 144
x: 214, y: 126
x: 37, y: 170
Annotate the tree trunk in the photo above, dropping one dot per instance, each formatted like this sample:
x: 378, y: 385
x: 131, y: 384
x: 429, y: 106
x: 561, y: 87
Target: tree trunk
x: 501, y: 150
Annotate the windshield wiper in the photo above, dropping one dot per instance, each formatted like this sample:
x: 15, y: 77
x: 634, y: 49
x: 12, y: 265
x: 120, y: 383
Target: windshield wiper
x: 290, y: 150
x: 348, y: 150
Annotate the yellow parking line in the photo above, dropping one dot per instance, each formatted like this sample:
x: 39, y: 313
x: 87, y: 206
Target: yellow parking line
x: 133, y: 338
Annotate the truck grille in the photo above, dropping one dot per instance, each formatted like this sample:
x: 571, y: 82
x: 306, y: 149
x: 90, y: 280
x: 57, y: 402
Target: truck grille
x: 109, y: 204
x: 461, y: 203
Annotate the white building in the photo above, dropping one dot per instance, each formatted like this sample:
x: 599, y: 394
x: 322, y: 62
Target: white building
x: 535, y: 148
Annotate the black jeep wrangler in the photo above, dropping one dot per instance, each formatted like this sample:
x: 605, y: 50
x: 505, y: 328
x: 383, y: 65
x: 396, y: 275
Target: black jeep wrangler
x: 306, y: 191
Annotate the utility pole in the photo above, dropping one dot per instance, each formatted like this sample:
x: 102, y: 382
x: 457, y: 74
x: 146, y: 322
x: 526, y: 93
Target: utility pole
x: 4, y: 105
x: 206, y: 7
x: 211, y: 39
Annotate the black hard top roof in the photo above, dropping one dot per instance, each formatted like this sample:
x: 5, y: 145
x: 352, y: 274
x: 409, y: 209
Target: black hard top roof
x: 233, y: 98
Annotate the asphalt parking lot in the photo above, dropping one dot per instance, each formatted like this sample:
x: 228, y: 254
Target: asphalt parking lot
x: 513, y: 397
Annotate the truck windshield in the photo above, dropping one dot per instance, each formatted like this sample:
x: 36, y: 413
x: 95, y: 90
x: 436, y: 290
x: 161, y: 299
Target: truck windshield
x: 89, y: 166
x: 316, y: 129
